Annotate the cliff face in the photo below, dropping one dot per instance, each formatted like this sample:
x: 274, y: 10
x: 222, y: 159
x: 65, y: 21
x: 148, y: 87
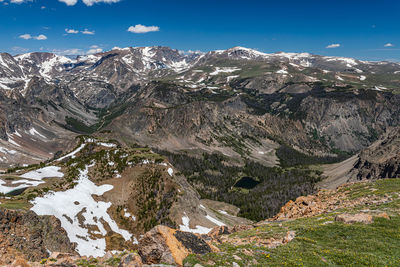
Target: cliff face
x: 381, y: 159
x: 31, y: 236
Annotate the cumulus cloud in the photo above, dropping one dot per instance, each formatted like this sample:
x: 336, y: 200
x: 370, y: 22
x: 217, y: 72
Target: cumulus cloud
x: 94, y: 49
x: 389, y: 45
x: 91, y: 2
x: 139, y: 28
x: 71, y: 31
x: 40, y: 37
x: 19, y: 1
x: 27, y: 36
x: 333, y: 46
x: 69, y: 2
x: 86, y: 2
x: 86, y: 31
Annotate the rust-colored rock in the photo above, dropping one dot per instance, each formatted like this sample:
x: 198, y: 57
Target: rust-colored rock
x: 219, y: 230
x: 29, y: 236
x: 166, y: 245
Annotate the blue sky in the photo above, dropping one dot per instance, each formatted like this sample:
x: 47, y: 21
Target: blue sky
x: 359, y: 29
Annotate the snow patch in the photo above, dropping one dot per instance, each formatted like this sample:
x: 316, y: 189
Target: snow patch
x: 33, y: 131
x: 77, y: 202
x: 224, y: 70
x: 73, y: 153
x: 282, y: 71
x: 7, y: 151
x: 46, y: 172
x: 198, y: 230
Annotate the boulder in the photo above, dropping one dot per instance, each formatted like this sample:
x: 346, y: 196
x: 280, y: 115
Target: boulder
x: 131, y: 260
x: 354, y: 218
x: 166, y: 245
x: 219, y: 230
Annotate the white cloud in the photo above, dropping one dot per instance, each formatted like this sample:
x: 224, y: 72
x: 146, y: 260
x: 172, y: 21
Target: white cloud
x: 19, y: 1
x: 139, y: 28
x: 86, y: 31
x: 27, y: 36
x: 333, y: 46
x: 69, y: 2
x: 94, y: 49
x: 40, y: 37
x: 86, y: 2
x: 91, y: 2
x: 72, y: 31
x: 389, y: 45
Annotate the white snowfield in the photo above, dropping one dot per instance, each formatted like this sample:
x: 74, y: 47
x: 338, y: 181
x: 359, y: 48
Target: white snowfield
x: 109, y: 145
x: 198, y: 230
x: 35, y: 178
x: 7, y: 151
x: 46, y: 172
x: 224, y: 70
x: 129, y: 215
x: 67, y: 205
x: 33, y: 131
x: 170, y: 171
x: 20, y: 184
x: 282, y: 71
x: 72, y: 154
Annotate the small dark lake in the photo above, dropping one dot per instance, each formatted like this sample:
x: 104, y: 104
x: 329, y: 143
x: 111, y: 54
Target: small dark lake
x: 247, y: 182
x: 16, y: 192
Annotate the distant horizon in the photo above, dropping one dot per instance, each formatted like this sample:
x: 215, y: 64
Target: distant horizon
x: 194, y: 52
x: 365, y: 30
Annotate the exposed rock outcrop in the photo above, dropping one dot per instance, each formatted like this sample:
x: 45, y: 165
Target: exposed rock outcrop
x: 381, y: 159
x: 165, y: 245
x: 30, y: 236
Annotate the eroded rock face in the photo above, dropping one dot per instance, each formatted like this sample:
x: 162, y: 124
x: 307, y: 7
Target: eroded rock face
x: 30, y: 236
x: 165, y: 245
x: 381, y: 159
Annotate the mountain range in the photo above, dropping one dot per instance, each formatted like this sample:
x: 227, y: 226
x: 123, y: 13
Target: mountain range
x: 188, y: 140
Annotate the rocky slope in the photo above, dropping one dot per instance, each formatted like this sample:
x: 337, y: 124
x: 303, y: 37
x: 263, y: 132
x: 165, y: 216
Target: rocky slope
x: 249, y: 103
x: 236, y: 125
x: 354, y: 224
x: 100, y: 197
x: 218, y: 117
x: 381, y: 159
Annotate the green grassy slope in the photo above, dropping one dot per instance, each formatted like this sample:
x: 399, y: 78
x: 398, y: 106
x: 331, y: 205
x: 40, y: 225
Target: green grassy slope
x: 322, y: 241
